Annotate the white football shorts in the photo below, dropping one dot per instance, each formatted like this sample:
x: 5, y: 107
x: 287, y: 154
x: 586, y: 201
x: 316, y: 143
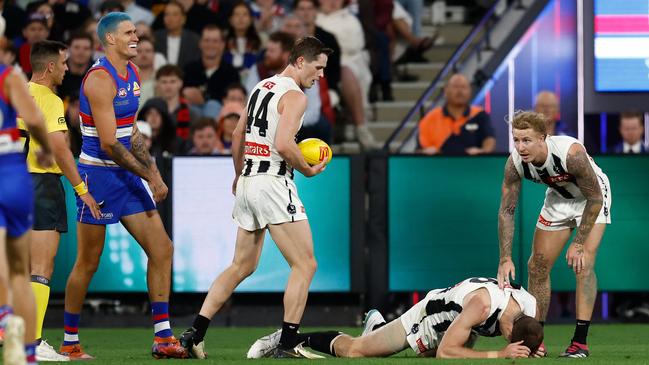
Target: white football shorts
x: 560, y: 213
x: 266, y: 199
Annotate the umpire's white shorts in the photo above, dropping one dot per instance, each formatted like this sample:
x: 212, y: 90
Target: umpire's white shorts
x: 560, y: 213
x: 266, y: 199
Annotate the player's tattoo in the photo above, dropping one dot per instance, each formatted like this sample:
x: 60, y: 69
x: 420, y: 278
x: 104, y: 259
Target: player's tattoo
x: 588, y: 282
x: 125, y: 159
x: 139, y: 150
x: 578, y: 163
x: 510, y: 191
x: 539, y: 283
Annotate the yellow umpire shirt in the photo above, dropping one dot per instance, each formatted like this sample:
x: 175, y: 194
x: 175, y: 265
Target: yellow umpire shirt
x: 52, y: 107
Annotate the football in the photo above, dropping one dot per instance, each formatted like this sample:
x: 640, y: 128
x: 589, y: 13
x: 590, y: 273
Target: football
x: 315, y: 151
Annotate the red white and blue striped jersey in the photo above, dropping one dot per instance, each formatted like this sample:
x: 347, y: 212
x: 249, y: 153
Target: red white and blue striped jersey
x: 125, y: 104
x: 11, y: 147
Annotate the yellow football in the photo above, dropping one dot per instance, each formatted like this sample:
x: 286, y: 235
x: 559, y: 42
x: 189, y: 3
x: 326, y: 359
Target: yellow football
x: 315, y: 151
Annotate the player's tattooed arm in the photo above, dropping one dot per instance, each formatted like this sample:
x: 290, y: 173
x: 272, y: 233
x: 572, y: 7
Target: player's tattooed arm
x: 139, y: 150
x: 127, y: 160
x: 578, y: 163
x: 511, y: 188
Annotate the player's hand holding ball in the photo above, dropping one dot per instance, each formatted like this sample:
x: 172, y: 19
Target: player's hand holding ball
x: 316, y: 153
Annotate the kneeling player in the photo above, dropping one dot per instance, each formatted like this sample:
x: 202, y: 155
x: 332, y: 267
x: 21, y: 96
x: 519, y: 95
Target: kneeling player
x: 445, y: 324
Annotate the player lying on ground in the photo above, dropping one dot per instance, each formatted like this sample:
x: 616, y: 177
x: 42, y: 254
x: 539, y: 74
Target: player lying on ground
x: 445, y: 324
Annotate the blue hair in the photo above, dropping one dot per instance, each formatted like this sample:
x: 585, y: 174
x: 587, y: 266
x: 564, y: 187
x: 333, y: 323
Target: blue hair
x: 108, y: 24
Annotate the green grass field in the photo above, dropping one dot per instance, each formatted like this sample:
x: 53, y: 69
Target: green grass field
x: 610, y: 344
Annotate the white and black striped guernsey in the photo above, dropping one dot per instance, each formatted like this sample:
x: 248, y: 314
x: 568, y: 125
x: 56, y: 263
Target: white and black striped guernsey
x: 261, y: 156
x: 554, y: 172
x: 444, y: 305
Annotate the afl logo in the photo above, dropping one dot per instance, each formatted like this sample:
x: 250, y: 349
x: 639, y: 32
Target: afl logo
x: 121, y: 93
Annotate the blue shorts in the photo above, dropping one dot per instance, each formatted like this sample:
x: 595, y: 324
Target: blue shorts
x: 16, y: 196
x: 117, y: 191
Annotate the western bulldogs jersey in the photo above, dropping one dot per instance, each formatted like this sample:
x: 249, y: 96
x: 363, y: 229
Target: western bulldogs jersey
x: 554, y: 172
x: 10, y: 146
x: 125, y: 104
x: 261, y: 157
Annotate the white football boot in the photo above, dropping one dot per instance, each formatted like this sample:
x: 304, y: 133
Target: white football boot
x: 45, y: 352
x: 372, y: 319
x: 264, y: 346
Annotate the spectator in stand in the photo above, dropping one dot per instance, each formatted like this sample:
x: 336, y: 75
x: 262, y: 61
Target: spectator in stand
x: 176, y: 43
x: 234, y: 93
x: 169, y: 83
x: 228, y: 120
x: 242, y: 41
x: 415, y: 9
x: 145, y: 61
x: 10, y: 55
x: 340, y: 80
x: 548, y: 105
x: 632, y: 133
x: 35, y: 30
x: 204, y: 140
x: 90, y: 27
x: 278, y: 49
x: 456, y: 128
x: 269, y: 17
x: 18, y: 17
x: 79, y: 61
x: 110, y: 6
x: 70, y: 14
x: 164, y: 141
x: 144, y: 31
x: 339, y: 21
x: 196, y: 11
x: 376, y: 18
x: 44, y: 9
x: 73, y: 123
x: 407, y: 46
x: 136, y: 12
x: 207, y: 78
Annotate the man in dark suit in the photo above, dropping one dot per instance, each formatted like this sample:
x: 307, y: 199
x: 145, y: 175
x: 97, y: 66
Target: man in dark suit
x: 632, y: 132
x: 176, y: 43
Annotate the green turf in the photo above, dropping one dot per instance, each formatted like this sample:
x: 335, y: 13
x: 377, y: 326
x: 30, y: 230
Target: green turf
x: 610, y: 345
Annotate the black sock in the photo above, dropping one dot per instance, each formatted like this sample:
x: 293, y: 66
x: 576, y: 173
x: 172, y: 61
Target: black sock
x: 288, y: 340
x: 581, y: 331
x: 320, y: 341
x: 377, y: 326
x: 200, y: 325
x: 542, y: 323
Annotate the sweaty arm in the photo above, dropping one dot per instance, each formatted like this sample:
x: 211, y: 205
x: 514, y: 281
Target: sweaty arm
x: 103, y: 114
x: 291, y: 108
x: 22, y: 100
x: 578, y: 164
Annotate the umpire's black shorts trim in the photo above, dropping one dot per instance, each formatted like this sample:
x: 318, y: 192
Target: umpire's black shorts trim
x: 49, y: 203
